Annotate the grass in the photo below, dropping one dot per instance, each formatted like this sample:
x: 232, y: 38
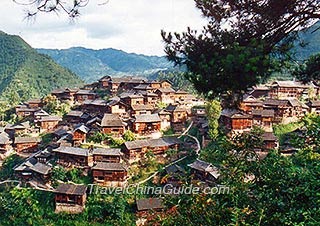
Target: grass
x: 282, y: 129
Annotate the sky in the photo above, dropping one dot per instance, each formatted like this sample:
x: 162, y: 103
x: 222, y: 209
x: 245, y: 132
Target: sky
x: 129, y: 25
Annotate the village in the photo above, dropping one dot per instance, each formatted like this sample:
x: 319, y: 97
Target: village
x: 140, y: 118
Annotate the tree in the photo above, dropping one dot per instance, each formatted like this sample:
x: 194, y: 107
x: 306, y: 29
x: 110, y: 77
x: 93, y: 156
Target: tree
x: 310, y: 70
x: 239, y: 46
x: 70, y: 7
x: 213, y: 112
x: 129, y: 136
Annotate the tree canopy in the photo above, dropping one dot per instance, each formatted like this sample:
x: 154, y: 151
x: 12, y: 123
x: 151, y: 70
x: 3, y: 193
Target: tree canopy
x: 240, y: 44
x: 310, y: 70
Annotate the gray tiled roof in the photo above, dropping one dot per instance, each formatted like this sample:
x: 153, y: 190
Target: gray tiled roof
x: 108, y: 166
x: 72, y: 151
x: 110, y: 120
x: 71, y: 189
x: 147, y: 118
x: 107, y: 151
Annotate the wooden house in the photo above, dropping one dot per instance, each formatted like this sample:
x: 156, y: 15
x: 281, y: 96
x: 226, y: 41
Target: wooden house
x: 39, y: 114
x: 73, y: 116
x: 26, y: 144
x: 95, y: 107
x: 132, y: 99
x: 104, y: 82
x: 18, y: 129
x: 115, y: 106
x: 314, y: 106
x: 5, y: 143
x: 43, y: 156
x: 160, y: 84
x: 166, y: 95
x: 35, y: 103
x: 49, y: 122
x: 144, y: 88
x: 148, y: 206
x: 73, y: 156
x: 141, y: 109
x: 124, y: 83
x: 24, y: 111
x: 204, y: 171
x: 64, y: 94
x: 70, y: 198
x: 270, y: 141
x: 181, y: 94
x: 179, y: 113
x: 112, y: 155
x: 259, y: 92
x: 288, y: 89
x: 165, y: 117
x: 135, y: 150
x: 250, y: 103
x: 83, y: 94
x: 31, y: 169
x: 80, y: 134
x: 110, y: 174
x: 235, y: 120
x: 263, y: 118
x: 112, y: 124
x: 146, y: 124
x: 151, y: 99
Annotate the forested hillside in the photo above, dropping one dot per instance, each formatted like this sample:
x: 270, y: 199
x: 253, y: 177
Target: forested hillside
x: 26, y: 74
x: 91, y: 64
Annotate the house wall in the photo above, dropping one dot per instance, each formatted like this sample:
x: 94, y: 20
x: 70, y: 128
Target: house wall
x: 26, y: 147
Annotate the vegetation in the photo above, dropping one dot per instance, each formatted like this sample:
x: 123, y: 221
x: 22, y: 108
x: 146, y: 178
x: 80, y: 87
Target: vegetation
x: 25, y: 74
x: 91, y: 64
x: 213, y: 109
x: 226, y: 62
x: 54, y: 106
x: 310, y: 71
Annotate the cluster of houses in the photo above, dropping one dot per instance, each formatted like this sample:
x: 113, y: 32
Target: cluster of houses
x: 113, y: 106
x: 110, y: 106
x: 268, y: 105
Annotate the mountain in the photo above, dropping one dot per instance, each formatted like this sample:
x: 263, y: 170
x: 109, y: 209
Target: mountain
x: 25, y: 74
x: 91, y: 64
x: 310, y: 39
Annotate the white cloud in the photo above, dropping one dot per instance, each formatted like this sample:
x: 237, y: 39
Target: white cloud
x: 130, y: 25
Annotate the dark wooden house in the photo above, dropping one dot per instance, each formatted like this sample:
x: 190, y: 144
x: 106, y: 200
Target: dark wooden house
x: 80, y: 134
x: 136, y: 150
x: 31, y: 169
x: 26, y: 144
x: 70, y: 198
x: 235, y: 120
x: 49, y: 122
x: 146, y: 124
x: 204, y: 171
x: 112, y: 124
x: 148, y: 206
x: 84, y: 94
x: 112, y: 155
x: 73, y: 156
x: 110, y: 174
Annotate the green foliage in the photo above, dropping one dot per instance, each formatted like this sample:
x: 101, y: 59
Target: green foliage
x: 281, y: 130
x: 25, y: 74
x: 99, y: 137
x: 226, y: 62
x: 129, y: 136
x: 283, y: 190
x: 91, y: 65
x: 75, y: 175
x: 168, y: 132
x: 213, y: 109
x: 54, y: 106
x: 7, y: 169
x: 310, y: 70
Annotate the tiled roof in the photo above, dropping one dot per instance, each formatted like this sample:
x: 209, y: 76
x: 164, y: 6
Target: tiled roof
x: 72, y: 151
x: 160, y: 142
x: 147, y: 118
x: 149, y: 204
x: 71, y: 189
x: 110, y: 120
x: 107, y: 151
x: 20, y: 140
x: 108, y: 166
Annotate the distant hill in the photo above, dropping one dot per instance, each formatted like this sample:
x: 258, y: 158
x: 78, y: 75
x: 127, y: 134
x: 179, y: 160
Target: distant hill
x: 25, y: 74
x: 310, y: 39
x: 91, y: 64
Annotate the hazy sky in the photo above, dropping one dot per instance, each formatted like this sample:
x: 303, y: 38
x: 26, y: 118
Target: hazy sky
x: 130, y: 25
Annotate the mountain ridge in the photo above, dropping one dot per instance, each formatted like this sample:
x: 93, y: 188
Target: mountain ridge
x: 25, y: 74
x: 91, y: 64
